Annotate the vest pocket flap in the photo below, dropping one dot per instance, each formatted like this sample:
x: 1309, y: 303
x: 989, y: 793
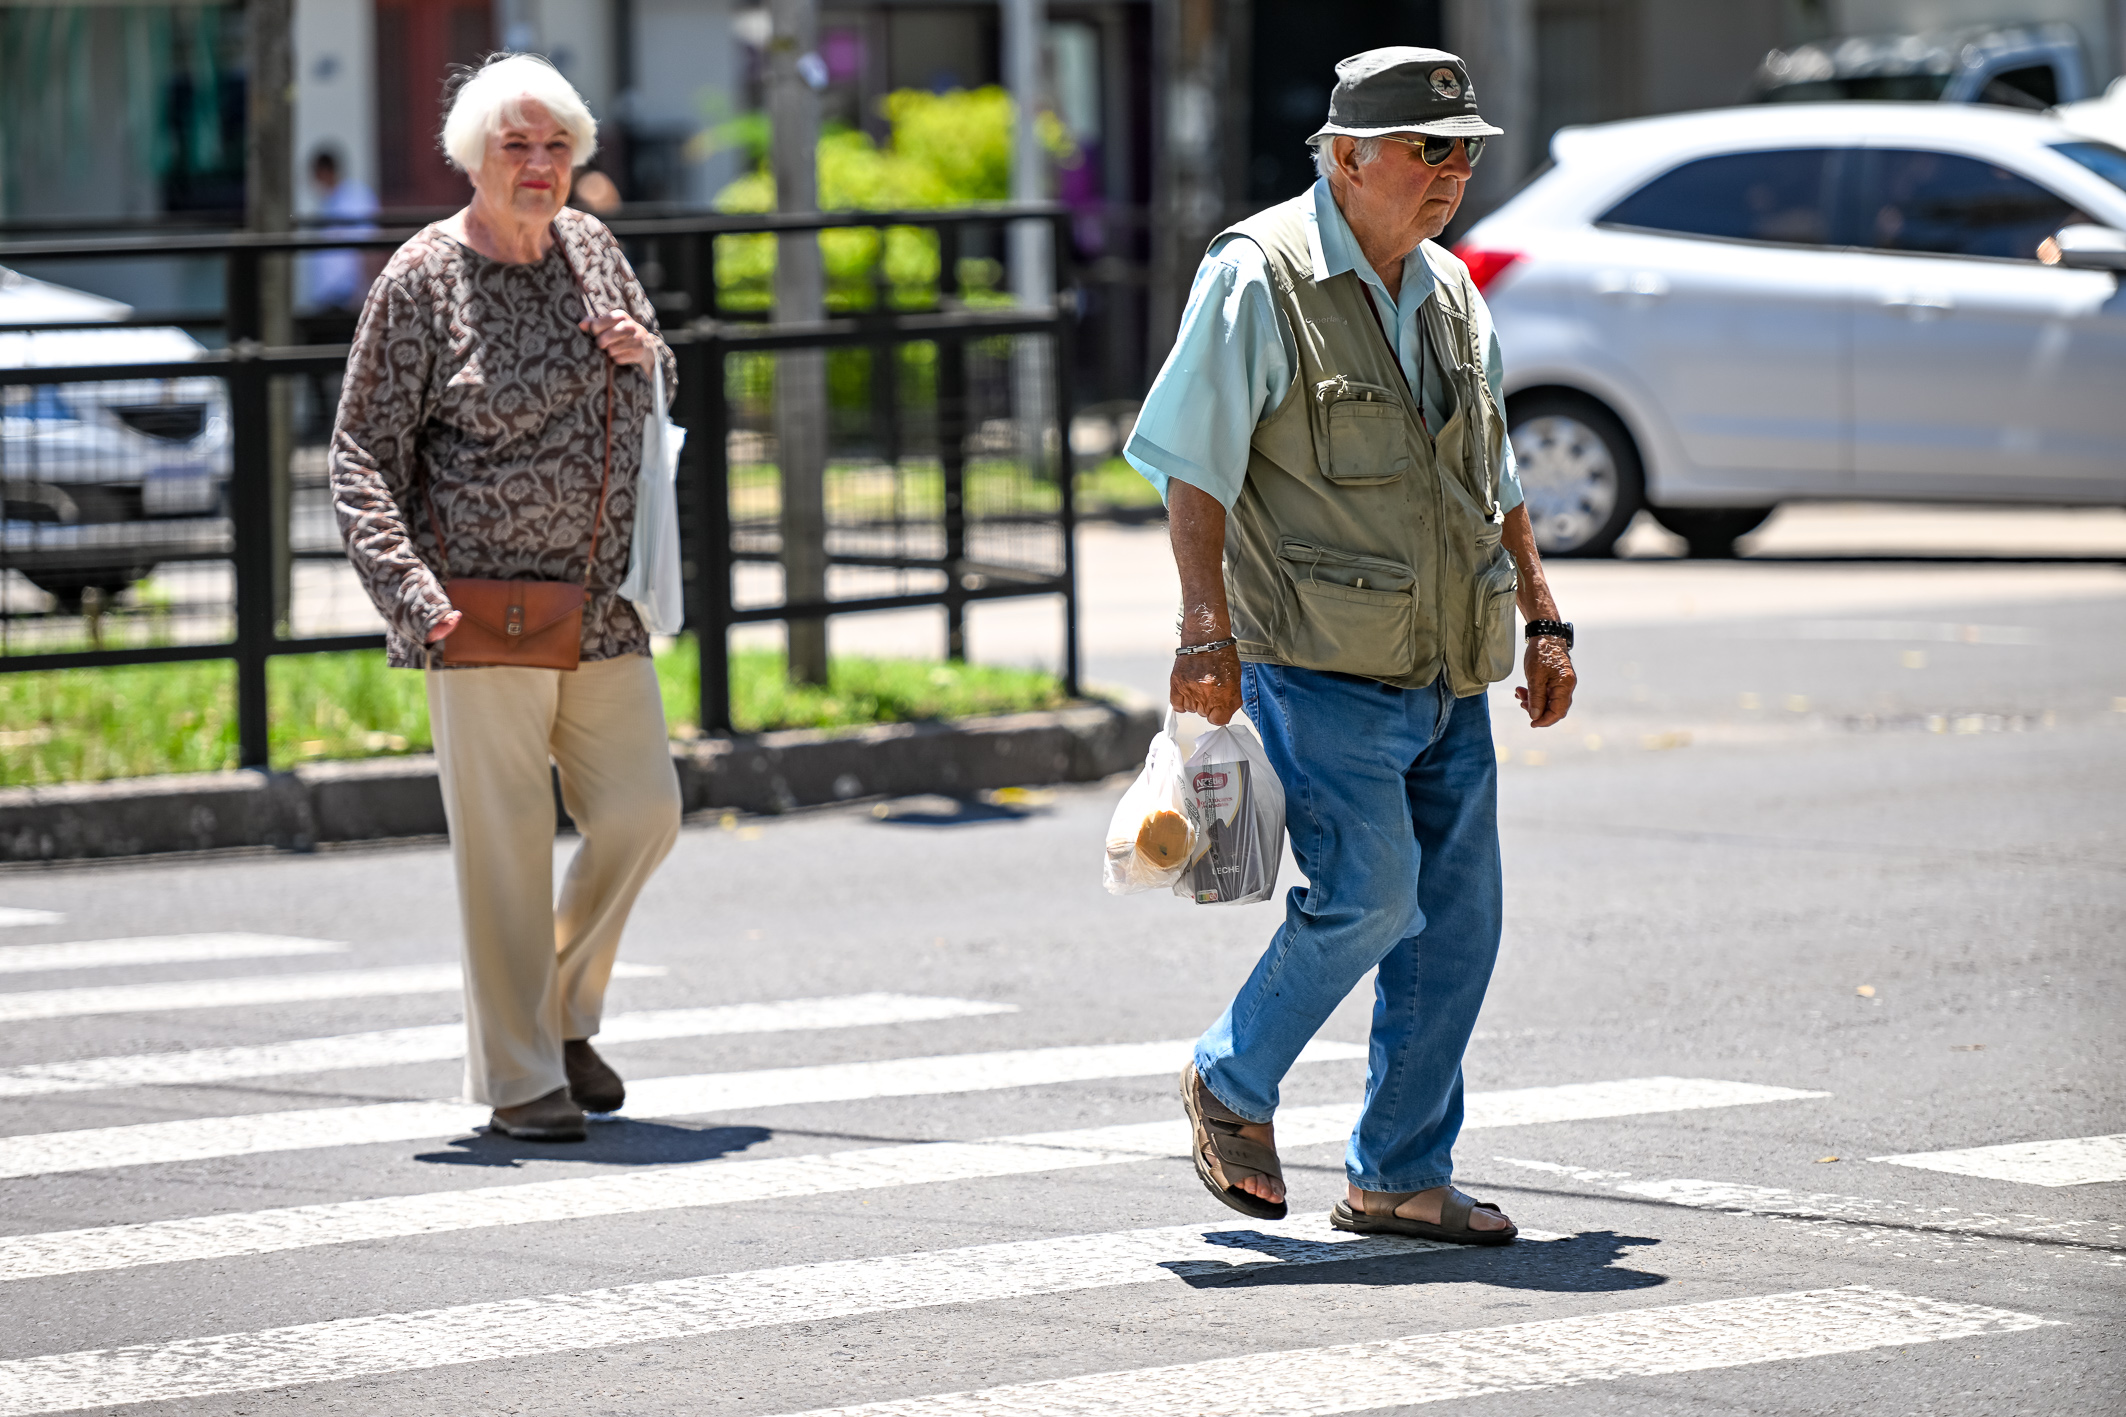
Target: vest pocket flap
x: 1368, y: 434
x: 1322, y: 567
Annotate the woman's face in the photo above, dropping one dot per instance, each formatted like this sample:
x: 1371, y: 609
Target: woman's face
x: 528, y: 164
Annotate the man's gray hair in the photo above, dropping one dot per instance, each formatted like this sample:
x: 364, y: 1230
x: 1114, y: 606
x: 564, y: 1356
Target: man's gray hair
x: 1366, y: 150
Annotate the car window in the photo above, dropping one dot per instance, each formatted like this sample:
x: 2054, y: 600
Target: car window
x: 2103, y: 159
x: 1951, y: 205
x: 1763, y: 196
x: 2035, y: 86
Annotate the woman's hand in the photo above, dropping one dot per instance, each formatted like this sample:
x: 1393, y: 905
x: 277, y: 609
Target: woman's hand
x: 623, y: 339
x: 444, y: 626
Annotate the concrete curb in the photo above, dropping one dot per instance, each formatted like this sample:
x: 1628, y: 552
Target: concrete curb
x: 382, y: 798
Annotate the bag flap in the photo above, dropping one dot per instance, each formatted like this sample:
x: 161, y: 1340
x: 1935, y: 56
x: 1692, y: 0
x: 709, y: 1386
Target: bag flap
x: 544, y: 603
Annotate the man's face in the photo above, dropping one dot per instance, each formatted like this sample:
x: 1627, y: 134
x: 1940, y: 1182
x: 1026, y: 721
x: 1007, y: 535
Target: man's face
x: 1397, y: 191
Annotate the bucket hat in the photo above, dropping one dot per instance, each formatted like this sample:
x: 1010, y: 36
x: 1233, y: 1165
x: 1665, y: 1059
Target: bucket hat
x: 1402, y: 89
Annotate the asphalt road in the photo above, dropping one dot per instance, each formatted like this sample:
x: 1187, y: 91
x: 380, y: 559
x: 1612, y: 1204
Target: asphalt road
x: 1827, y: 870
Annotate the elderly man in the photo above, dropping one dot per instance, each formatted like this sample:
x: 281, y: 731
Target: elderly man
x: 1328, y: 432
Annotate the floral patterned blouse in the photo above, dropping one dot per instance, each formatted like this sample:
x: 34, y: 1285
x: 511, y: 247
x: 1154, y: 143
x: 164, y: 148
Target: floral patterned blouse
x: 472, y: 373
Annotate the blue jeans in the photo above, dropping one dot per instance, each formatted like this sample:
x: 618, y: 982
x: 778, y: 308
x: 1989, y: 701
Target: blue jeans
x: 1391, y: 796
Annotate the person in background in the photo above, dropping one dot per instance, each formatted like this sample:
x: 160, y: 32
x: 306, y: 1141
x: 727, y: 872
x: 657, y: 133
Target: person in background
x: 1348, y: 526
x: 338, y: 280
x: 481, y: 404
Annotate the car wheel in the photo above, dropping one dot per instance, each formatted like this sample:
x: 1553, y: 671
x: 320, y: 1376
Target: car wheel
x: 1711, y: 531
x: 1579, y: 472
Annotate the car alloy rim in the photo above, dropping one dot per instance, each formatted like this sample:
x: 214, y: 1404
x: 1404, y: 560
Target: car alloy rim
x: 1569, y: 477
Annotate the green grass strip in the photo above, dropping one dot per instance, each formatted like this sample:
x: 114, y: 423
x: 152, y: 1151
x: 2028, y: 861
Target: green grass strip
x: 85, y: 725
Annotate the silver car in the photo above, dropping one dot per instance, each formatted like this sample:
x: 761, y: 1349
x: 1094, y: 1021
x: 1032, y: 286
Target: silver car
x: 104, y: 480
x: 1711, y: 313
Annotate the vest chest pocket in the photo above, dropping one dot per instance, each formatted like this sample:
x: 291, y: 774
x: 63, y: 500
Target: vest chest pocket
x: 1355, y: 614
x: 1368, y: 433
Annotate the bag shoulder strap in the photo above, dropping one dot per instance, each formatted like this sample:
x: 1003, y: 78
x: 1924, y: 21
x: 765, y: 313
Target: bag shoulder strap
x: 605, y: 478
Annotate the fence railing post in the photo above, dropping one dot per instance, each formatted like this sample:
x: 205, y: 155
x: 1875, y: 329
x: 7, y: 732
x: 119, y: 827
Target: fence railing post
x: 251, y: 505
x: 702, y: 398
x: 1063, y: 351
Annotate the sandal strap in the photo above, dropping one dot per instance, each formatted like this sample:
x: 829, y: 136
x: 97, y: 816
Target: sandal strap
x: 1234, y: 1152
x: 1387, y: 1201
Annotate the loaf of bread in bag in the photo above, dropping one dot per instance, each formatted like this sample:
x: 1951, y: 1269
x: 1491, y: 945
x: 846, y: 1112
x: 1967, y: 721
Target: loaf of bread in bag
x: 1163, y: 840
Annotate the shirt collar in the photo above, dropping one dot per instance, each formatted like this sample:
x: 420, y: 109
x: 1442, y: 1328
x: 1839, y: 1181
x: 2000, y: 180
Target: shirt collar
x: 1334, y: 248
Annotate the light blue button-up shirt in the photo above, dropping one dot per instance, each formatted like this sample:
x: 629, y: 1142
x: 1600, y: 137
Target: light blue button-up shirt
x: 1234, y: 355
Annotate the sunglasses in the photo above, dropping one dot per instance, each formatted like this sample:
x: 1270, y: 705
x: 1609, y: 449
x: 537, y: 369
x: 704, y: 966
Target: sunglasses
x: 1436, y: 150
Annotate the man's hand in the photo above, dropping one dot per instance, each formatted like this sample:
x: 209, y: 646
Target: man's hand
x: 1548, y: 663
x: 1208, y: 684
x: 1548, y: 666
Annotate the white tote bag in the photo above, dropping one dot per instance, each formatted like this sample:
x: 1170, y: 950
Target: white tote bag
x: 653, y: 580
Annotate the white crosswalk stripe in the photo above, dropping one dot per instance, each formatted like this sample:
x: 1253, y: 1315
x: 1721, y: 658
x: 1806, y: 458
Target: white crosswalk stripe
x: 2071, y: 1161
x: 199, y: 1139
x: 1446, y: 1367
x: 15, y: 915
x: 438, y: 1042
x: 724, y: 1183
x: 1781, y: 1204
x: 375, y: 1344
x: 157, y: 949
x: 263, y: 989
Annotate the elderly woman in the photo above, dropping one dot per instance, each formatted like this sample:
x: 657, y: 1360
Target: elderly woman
x: 490, y: 432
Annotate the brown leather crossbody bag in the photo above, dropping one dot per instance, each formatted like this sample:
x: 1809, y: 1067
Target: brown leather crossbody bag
x: 528, y: 624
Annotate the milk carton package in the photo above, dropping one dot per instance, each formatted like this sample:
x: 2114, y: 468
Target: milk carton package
x: 1240, y: 808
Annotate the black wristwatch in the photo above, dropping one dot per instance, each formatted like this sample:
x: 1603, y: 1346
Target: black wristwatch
x: 1556, y: 629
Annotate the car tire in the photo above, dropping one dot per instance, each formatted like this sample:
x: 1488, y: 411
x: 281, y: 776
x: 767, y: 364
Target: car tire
x: 71, y: 588
x: 1711, y: 531
x: 1580, y: 471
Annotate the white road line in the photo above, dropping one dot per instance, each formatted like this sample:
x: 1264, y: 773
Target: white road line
x: 260, y: 989
x: 199, y: 1139
x: 17, y: 915
x: 732, y: 1182
x: 376, y: 1344
x: 1778, y: 1204
x: 437, y: 1042
x: 157, y: 949
x: 2072, y: 1161
x: 1444, y: 1367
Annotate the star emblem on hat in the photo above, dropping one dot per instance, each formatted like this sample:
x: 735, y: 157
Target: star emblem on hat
x: 1446, y: 83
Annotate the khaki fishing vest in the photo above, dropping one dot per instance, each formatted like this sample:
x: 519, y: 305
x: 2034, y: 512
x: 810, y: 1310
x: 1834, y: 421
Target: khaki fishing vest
x: 1360, y: 543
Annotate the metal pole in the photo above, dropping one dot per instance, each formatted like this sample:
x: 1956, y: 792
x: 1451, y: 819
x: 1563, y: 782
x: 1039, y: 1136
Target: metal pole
x: 1032, y: 259
x: 952, y: 443
x: 794, y: 74
x: 251, y: 516
x: 269, y: 178
x: 1067, y: 478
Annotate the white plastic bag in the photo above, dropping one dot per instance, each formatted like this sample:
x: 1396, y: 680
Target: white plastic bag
x: 1155, y: 831
x: 653, y: 581
x: 1240, y: 813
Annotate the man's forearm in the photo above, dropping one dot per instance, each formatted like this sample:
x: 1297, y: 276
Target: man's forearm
x: 1534, y: 596
x: 1196, y: 527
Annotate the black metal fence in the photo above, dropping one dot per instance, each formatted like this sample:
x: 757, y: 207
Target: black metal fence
x: 174, y: 507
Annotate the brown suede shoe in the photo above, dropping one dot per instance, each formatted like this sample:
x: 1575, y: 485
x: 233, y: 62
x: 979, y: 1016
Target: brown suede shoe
x: 549, y: 1118
x: 591, y: 1080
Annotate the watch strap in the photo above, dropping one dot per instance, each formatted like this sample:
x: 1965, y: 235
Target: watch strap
x: 1557, y: 629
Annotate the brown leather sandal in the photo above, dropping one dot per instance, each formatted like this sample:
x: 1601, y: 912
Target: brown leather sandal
x: 1453, y: 1214
x: 1222, y: 1155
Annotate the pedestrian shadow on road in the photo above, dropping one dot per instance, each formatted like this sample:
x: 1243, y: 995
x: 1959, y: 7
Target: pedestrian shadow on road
x: 616, y: 1143
x: 1587, y: 1263
x: 933, y: 810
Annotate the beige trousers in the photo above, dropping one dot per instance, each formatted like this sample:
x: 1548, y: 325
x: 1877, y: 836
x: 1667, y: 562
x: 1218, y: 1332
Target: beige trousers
x: 535, y: 971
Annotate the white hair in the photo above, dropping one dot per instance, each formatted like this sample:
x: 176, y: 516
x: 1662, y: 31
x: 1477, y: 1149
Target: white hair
x: 493, y: 96
x: 1366, y: 150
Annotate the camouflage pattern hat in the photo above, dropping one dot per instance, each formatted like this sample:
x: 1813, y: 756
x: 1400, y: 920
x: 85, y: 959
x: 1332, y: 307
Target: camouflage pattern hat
x: 1404, y: 90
